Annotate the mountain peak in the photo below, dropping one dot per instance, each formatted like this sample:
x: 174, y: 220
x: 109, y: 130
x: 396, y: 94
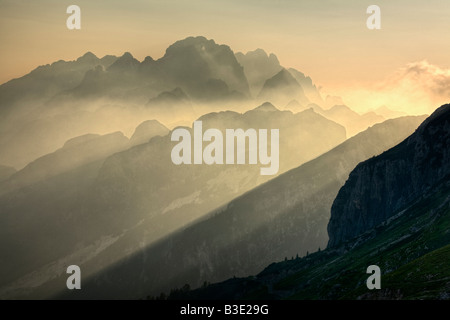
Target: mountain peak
x: 284, y: 74
x: 266, y: 107
x: 125, y: 62
x: 198, y: 44
x: 148, y: 59
x: 127, y: 55
x: 147, y: 130
x: 87, y: 57
x: 388, y: 113
x: 282, y: 88
x: 282, y: 78
x: 258, y: 67
x: 191, y: 42
x: 273, y: 57
x: 406, y: 172
x: 177, y: 95
x: 441, y: 114
x: 80, y: 140
x: 340, y: 107
x: 258, y: 51
x: 261, y: 55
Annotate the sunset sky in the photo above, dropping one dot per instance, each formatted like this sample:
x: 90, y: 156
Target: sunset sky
x: 327, y: 39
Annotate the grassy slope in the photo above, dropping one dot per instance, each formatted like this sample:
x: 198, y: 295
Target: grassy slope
x: 412, y: 249
x: 420, y: 229
x: 427, y: 277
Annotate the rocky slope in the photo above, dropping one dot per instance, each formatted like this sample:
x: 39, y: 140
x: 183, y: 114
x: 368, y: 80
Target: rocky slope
x: 412, y: 250
x: 56, y: 102
x: 379, y: 187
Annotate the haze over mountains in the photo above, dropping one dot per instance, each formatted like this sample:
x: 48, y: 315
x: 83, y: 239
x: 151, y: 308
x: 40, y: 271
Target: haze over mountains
x: 393, y: 211
x: 86, y: 175
x: 351, y: 120
x: 80, y: 151
x: 57, y: 102
x: 414, y: 167
x: 284, y: 217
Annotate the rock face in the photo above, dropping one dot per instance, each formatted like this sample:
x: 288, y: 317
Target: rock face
x: 45, y: 81
x: 196, y: 64
x: 352, y: 121
x: 379, y: 187
x: 147, y: 130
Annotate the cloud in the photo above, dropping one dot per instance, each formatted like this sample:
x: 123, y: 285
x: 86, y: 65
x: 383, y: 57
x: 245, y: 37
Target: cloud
x: 417, y: 88
x: 424, y: 77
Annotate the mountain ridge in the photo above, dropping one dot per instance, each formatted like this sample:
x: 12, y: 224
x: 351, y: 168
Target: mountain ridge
x: 410, y: 244
x: 259, y: 225
x: 416, y: 162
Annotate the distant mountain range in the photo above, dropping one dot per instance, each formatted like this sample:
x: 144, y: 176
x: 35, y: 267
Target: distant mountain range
x: 57, y: 102
x: 79, y: 151
x: 97, y: 188
x: 351, y: 120
x: 393, y: 211
x: 285, y: 216
x: 86, y: 177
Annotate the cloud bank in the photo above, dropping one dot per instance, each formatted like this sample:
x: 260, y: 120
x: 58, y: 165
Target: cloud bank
x: 417, y: 88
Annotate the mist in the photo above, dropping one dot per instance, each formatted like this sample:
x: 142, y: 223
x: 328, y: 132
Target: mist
x: 86, y: 174
x: 414, y: 89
